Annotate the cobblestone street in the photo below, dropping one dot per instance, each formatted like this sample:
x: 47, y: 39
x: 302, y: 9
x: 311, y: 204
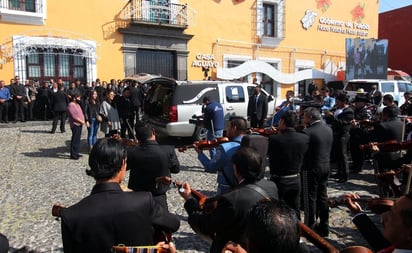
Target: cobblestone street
x: 36, y: 172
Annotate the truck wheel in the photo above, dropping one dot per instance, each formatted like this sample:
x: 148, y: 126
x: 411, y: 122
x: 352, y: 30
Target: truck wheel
x: 200, y: 134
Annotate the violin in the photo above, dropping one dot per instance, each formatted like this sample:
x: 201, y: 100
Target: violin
x: 205, y: 203
x: 126, y: 142
x: 392, y: 145
x: 389, y: 177
x: 263, y: 131
x: 389, y: 146
x: 376, y: 205
x: 204, y: 144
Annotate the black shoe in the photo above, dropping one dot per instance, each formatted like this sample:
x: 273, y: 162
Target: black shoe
x: 336, y: 176
x: 15, y: 121
x: 354, y: 171
x: 79, y: 155
x: 23, y: 120
x: 321, y: 230
x: 74, y: 157
x: 52, y: 132
x: 63, y: 131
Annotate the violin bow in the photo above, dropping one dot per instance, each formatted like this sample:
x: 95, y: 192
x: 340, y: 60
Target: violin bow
x: 274, y: 111
x: 131, y: 130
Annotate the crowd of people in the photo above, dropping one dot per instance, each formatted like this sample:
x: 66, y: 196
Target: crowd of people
x: 249, y: 213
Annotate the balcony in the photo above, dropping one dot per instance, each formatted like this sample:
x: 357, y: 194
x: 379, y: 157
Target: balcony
x: 32, y: 12
x: 157, y: 13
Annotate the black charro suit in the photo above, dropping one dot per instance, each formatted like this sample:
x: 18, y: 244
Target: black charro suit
x: 370, y: 232
x: 387, y: 131
x: 227, y: 221
x: 257, y: 110
x: 147, y: 162
x: 341, y: 125
x: 317, y: 164
x: 286, y: 153
x: 109, y: 217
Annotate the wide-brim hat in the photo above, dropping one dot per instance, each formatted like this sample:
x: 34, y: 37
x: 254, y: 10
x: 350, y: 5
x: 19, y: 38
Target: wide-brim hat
x: 360, y: 91
x: 360, y: 98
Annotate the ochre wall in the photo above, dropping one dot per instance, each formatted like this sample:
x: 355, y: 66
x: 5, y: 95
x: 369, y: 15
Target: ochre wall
x: 229, y: 20
x: 91, y: 20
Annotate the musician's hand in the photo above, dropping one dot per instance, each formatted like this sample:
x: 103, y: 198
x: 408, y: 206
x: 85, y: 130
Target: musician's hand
x: 353, y: 206
x: 163, y: 180
x: 232, y: 247
x: 374, y: 147
x: 169, y: 246
x: 185, y: 191
x: 327, y: 113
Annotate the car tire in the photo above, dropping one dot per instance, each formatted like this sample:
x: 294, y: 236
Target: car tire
x: 200, y: 134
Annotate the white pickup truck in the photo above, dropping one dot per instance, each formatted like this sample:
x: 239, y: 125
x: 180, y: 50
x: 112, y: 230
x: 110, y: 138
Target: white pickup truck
x: 170, y: 104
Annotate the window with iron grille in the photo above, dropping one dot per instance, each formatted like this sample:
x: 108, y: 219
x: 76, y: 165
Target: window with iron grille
x: 46, y: 65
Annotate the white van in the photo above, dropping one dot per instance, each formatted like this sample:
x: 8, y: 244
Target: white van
x: 394, y: 87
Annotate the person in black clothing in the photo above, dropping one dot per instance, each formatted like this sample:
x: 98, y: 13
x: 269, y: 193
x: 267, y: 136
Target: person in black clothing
x: 257, y: 108
x: 125, y: 107
x: 227, y: 221
x: 271, y: 226
x: 59, y: 101
x: 18, y: 94
x: 136, y: 95
x: 315, y: 169
x: 43, y: 101
x: 110, y: 216
x: 91, y: 114
x: 341, y: 122
x: 150, y: 161
x: 389, y: 129
x: 286, y: 152
x: 358, y: 132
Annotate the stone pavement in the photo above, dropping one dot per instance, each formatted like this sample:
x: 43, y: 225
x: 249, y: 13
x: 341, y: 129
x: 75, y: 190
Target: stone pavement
x: 36, y: 171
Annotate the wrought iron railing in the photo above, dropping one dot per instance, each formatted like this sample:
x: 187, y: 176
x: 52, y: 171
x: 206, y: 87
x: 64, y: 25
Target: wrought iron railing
x: 157, y: 12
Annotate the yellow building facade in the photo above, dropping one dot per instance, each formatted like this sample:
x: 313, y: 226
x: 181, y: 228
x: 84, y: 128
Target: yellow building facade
x: 280, y: 43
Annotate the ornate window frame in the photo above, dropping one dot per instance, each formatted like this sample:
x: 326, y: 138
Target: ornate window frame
x: 24, y: 17
x: 265, y: 40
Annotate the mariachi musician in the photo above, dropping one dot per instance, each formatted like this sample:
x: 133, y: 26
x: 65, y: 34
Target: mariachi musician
x: 397, y: 226
x: 286, y: 105
x: 227, y: 221
x: 390, y: 128
x: 358, y: 132
x: 110, y: 216
x: 221, y: 162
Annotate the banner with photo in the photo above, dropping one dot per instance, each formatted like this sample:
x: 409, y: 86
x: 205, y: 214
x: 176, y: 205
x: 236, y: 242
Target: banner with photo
x: 366, y: 58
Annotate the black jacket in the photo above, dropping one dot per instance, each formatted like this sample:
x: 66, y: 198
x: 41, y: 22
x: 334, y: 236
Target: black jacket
x: 227, y: 222
x: 109, y: 217
x: 149, y: 161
